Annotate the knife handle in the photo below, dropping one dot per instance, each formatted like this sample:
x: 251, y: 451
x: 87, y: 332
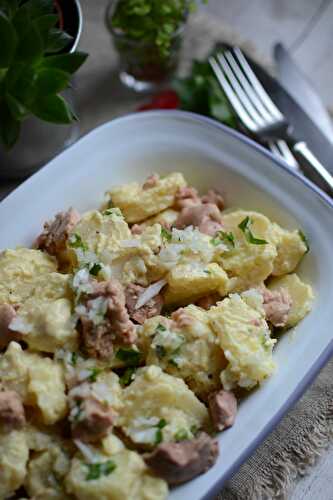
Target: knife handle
x: 312, y: 167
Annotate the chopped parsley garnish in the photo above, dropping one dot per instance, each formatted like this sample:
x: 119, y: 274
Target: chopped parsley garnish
x: 161, y: 328
x: 173, y: 362
x: 109, y: 211
x: 182, y: 435
x: 113, y: 211
x: 159, y: 434
x: 162, y: 423
x: 244, y: 226
x: 75, y: 241
x: 129, y: 356
x: 207, y: 271
x: 194, y: 429
x: 95, y: 269
x: 223, y: 237
x: 160, y: 351
x: 94, y: 374
x: 73, y: 360
x: 305, y: 240
x: 166, y: 235
x: 127, y: 377
x: 95, y: 471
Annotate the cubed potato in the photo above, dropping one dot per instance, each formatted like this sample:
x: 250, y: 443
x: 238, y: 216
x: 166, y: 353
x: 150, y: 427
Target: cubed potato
x: 124, y: 475
x: 38, y: 380
x: 189, y: 282
x: 248, y: 264
x: 46, y: 473
x: 155, y: 398
x: 20, y: 269
x: 301, y: 294
x: 290, y: 250
x: 137, y: 204
x: 245, y: 339
x: 47, y: 324
x: 14, y: 454
x: 189, y: 350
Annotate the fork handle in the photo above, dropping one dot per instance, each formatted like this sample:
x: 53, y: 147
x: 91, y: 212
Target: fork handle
x: 313, y: 168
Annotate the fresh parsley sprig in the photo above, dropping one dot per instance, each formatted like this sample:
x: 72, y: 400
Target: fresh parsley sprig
x: 151, y: 21
x: 245, y: 227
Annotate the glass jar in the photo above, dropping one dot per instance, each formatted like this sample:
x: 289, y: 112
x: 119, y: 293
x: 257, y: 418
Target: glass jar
x: 142, y: 66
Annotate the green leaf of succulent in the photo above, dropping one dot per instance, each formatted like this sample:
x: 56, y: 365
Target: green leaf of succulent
x: 57, y: 40
x: 39, y: 8
x: 30, y: 76
x: 44, y: 25
x: 66, y: 62
x: 9, y: 127
x: 54, y: 109
x: 8, y: 6
x: 30, y: 47
x: 21, y: 20
x: 20, y: 82
x: 17, y: 109
x: 8, y: 41
x: 50, y: 81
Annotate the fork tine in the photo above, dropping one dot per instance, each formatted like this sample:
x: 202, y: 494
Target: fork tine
x: 244, y: 82
x: 240, y: 92
x: 234, y: 101
x: 281, y: 149
x: 261, y: 92
x: 274, y: 148
x: 287, y: 154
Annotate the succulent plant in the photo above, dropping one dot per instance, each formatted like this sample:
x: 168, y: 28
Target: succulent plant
x: 34, y: 66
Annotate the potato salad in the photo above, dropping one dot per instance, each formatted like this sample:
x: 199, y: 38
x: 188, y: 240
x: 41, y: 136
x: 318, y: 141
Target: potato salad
x: 130, y: 333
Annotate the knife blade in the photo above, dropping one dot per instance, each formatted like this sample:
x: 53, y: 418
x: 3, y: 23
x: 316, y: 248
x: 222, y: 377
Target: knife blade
x: 303, y: 127
x: 300, y: 88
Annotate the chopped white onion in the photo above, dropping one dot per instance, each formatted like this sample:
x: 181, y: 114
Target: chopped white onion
x: 150, y: 293
x: 86, y: 451
x: 84, y: 374
x: 102, y: 392
x: 19, y: 325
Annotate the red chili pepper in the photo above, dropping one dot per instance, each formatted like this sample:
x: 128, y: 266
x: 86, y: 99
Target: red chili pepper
x: 168, y: 99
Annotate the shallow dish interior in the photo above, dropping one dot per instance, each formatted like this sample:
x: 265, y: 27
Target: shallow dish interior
x: 209, y: 156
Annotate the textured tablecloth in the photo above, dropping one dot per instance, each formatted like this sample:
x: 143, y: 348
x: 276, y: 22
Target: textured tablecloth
x: 308, y: 428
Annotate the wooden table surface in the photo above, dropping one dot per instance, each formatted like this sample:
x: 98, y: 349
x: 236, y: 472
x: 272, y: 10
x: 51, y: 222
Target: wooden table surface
x: 280, y: 20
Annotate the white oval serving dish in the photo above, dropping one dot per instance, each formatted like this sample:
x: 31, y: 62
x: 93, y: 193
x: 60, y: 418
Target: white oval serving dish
x: 209, y: 155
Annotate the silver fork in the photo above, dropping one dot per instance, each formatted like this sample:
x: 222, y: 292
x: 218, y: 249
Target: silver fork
x: 281, y: 149
x: 259, y: 114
